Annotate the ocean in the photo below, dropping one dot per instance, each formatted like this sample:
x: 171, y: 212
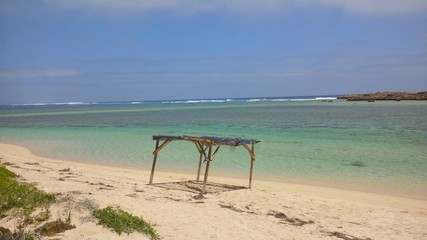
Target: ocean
x: 367, y: 146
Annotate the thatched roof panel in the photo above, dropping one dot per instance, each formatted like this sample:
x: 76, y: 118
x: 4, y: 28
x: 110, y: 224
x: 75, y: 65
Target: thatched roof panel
x: 208, y: 140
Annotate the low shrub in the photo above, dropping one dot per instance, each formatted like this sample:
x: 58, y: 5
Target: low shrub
x: 123, y: 222
x: 23, y: 196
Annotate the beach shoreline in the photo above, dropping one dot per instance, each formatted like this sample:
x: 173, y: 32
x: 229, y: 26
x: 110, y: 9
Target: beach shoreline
x: 230, y: 210
x: 20, y: 151
x: 241, y: 178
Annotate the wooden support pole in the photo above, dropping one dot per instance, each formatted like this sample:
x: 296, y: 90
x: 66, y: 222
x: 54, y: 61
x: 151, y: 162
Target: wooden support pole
x: 197, y: 146
x: 154, y: 161
x: 252, y: 165
x: 200, y: 166
x: 250, y: 173
x: 202, y: 151
x: 207, y: 170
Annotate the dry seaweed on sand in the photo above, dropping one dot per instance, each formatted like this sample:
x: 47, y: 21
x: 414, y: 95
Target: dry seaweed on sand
x: 289, y: 220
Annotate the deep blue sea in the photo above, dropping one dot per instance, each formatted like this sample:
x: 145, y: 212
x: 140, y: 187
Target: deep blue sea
x: 374, y: 147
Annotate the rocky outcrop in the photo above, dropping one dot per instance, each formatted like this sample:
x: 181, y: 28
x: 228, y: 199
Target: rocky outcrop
x: 390, y: 96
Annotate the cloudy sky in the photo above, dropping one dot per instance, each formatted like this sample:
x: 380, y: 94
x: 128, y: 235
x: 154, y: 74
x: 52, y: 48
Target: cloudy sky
x: 108, y: 50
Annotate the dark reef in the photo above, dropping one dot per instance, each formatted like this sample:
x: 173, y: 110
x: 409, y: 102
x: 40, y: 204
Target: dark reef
x: 385, y: 96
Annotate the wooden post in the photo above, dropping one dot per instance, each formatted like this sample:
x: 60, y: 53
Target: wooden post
x: 202, y: 152
x: 207, y: 170
x: 252, y: 166
x: 154, y: 162
x: 200, y: 166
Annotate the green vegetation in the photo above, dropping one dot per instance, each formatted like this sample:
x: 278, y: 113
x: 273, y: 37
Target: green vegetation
x: 121, y: 221
x: 30, y: 206
x: 22, y: 200
x: 23, y: 197
x: 58, y: 226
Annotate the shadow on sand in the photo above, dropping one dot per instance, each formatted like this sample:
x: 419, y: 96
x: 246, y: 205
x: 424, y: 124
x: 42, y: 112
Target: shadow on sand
x: 196, y: 186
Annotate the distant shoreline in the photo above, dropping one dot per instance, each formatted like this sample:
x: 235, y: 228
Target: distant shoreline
x: 385, y: 96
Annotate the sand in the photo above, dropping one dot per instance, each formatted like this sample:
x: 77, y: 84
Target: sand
x: 270, y: 210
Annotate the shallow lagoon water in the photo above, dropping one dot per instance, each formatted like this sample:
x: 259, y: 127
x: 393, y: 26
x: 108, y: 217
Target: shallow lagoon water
x: 377, y: 147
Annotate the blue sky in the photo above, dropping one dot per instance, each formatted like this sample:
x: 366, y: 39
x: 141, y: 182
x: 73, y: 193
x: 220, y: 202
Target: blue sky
x: 105, y: 50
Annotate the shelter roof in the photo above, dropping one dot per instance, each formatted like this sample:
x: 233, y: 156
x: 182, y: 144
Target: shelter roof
x: 208, y: 140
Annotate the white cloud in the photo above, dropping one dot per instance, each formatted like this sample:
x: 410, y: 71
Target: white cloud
x: 382, y: 7
x: 369, y: 7
x: 47, y: 73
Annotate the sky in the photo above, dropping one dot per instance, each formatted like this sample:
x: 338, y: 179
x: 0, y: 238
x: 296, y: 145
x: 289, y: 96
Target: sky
x: 130, y: 50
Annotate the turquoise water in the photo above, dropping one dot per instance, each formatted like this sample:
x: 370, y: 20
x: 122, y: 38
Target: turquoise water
x: 376, y: 147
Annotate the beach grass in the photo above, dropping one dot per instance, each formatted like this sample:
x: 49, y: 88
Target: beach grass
x: 21, y: 196
x: 20, y: 200
x: 123, y: 222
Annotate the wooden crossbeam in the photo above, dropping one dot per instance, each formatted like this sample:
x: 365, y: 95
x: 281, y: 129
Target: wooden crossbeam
x: 158, y: 148
x: 215, y: 152
x: 251, y: 152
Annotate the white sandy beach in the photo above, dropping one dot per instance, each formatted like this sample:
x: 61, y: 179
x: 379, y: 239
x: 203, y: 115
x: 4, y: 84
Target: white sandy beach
x: 270, y: 210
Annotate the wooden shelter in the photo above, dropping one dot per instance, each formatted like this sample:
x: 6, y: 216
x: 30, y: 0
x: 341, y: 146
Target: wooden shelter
x: 204, y: 146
